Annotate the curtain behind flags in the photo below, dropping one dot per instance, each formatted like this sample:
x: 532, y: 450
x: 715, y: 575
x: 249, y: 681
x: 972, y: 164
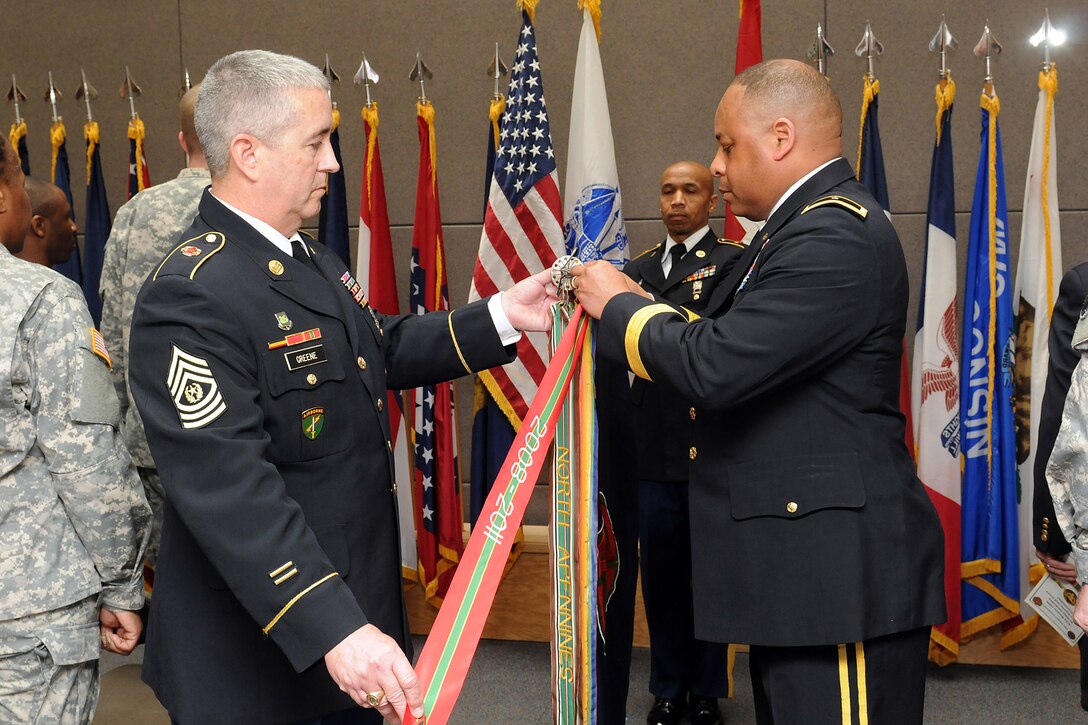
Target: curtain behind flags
x: 523, y: 229
x: 98, y: 224
x: 991, y: 571
x: 1038, y: 274
x: 439, y: 517
x: 17, y: 136
x: 375, y: 270
x: 59, y: 174
x: 139, y: 177
x: 492, y: 433
x: 749, y: 52
x: 935, y: 385
x: 332, y: 223
x: 870, y: 172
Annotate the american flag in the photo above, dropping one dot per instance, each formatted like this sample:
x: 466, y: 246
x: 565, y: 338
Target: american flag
x: 523, y: 224
x: 439, y: 518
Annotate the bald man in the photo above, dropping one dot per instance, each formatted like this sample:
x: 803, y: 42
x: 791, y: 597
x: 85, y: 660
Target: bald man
x: 813, y: 541
x: 51, y: 237
x: 144, y: 230
x: 686, y: 673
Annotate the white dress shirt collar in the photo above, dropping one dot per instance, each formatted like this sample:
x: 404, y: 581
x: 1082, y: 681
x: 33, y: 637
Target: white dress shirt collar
x: 264, y: 229
x: 797, y: 185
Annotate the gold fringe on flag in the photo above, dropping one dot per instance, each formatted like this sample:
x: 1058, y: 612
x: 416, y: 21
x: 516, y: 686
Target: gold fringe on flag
x: 425, y: 110
x: 136, y: 132
x: 498, y: 107
x: 56, y: 138
x: 90, y: 133
x: 990, y: 102
x: 1048, y: 83
x: 529, y: 7
x: 594, y: 8
x: 370, y: 118
x: 17, y: 133
x: 872, y: 87
x: 335, y: 119
x: 946, y: 96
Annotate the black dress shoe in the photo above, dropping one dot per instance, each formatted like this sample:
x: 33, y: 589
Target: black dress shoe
x: 666, y: 711
x: 704, y: 711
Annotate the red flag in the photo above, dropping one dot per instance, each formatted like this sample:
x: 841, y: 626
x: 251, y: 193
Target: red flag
x: 375, y: 269
x: 439, y: 517
x: 749, y: 52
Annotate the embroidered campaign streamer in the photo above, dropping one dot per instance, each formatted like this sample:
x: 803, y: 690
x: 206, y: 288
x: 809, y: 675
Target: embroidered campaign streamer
x: 449, y: 649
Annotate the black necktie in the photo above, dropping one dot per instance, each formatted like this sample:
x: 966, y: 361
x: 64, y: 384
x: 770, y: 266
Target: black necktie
x: 676, y: 252
x: 299, y: 253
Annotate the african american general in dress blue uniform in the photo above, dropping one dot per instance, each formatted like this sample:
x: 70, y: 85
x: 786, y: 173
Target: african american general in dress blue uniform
x: 260, y: 373
x: 813, y: 541
x: 686, y: 673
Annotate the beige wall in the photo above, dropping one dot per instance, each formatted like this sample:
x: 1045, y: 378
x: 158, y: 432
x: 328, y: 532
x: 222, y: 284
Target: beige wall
x: 666, y: 64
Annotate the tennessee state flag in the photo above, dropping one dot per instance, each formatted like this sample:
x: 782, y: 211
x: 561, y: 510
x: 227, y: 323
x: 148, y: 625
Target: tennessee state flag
x: 439, y: 517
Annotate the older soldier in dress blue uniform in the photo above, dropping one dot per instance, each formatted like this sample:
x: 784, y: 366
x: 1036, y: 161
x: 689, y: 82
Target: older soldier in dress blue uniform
x: 685, y: 672
x: 73, y: 519
x: 812, y: 539
x: 260, y: 373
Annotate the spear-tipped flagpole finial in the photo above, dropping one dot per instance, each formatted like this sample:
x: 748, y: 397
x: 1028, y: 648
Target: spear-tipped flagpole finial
x: 16, y: 96
x: 497, y: 70
x: 130, y: 90
x: 364, y: 77
x: 1047, y: 36
x: 52, y: 95
x: 987, y: 47
x: 86, y: 93
x: 821, y: 50
x: 420, y: 72
x: 331, y: 75
x: 186, y: 82
x: 942, y: 43
x: 868, y: 47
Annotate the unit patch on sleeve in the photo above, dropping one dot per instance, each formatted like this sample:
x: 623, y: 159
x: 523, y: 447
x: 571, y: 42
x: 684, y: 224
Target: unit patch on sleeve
x: 193, y: 389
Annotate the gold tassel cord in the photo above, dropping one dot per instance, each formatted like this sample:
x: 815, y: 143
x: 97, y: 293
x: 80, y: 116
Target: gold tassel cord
x: 992, y: 105
x: 425, y: 110
x: 17, y: 133
x: 56, y: 139
x: 529, y: 8
x: 872, y: 87
x: 370, y: 118
x: 1048, y: 83
x: 594, y: 8
x: 946, y: 96
x: 136, y: 132
x: 498, y: 107
x: 90, y: 133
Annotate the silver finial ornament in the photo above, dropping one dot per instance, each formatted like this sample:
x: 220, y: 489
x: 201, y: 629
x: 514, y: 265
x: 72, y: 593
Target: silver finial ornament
x: 420, y: 72
x: 364, y: 77
x: 868, y: 47
x: 497, y: 70
x: 1047, y: 36
x: 942, y: 43
x: 987, y: 47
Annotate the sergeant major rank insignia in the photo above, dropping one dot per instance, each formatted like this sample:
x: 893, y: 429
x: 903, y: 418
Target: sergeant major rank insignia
x: 313, y: 421
x: 194, y: 390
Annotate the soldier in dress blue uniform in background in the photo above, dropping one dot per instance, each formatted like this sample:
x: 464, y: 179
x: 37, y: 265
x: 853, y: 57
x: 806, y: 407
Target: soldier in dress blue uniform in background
x: 686, y: 673
x: 813, y: 540
x: 260, y: 373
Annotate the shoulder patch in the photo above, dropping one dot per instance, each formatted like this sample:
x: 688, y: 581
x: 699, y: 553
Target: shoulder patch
x: 651, y: 249
x: 98, y: 347
x: 186, y: 258
x: 730, y: 242
x: 836, y: 200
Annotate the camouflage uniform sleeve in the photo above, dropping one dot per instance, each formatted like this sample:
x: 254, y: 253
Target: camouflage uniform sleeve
x: 76, y: 413
x: 1067, y: 471
x: 111, y: 289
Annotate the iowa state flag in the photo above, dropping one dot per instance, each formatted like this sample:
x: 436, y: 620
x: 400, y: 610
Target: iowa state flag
x: 1038, y: 274
x: 439, y: 517
x: 332, y: 224
x: 935, y: 387
x: 375, y: 269
x: 60, y: 175
x: 139, y: 178
x: 98, y: 224
x: 991, y: 560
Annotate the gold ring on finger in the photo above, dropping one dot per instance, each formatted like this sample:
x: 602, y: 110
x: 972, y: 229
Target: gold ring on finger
x: 373, y: 698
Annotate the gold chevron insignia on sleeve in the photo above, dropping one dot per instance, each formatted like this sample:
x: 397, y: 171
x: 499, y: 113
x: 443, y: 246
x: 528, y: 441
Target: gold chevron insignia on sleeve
x: 634, y: 331
x: 186, y: 258
x: 836, y: 200
x: 732, y: 243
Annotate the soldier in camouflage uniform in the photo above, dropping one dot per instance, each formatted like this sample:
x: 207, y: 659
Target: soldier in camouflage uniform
x: 73, y: 520
x: 145, y: 229
x: 1067, y: 470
